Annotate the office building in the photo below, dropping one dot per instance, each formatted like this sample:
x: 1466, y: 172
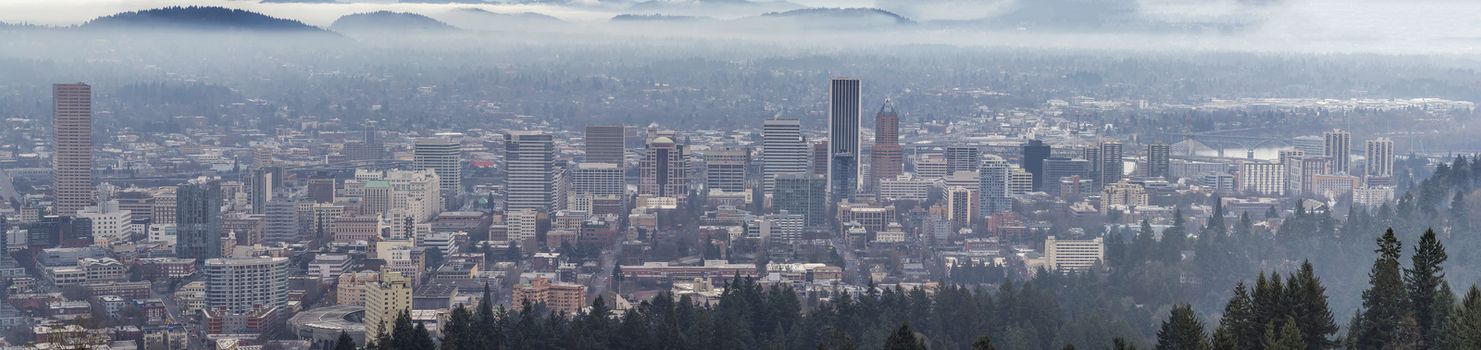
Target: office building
x: 1113, y: 165
x: 1034, y: 154
x: 1339, y: 150
x: 605, y: 144
x: 1056, y: 169
x: 664, y: 171
x: 783, y: 151
x: 994, y: 176
x: 321, y: 189
x: 239, y: 285
x: 110, y: 224
x: 560, y: 298
x: 820, y: 158
x: 72, y: 161
x: 1092, y: 155
x: 803, y: 194
x: 265, y: 182
x: 1266, y: 179
x: 599, y: 179
x: 1122, y: 196
x: 385, y: 299
x: 441, y: 156
x: 843, y: 138
x: 962, y: 158
x: 1074, y: 255
x: 529, y: 165
x: 1159, y: 156
x: 725, y: 169
x: 1380, y: 153
x: 961, y: 209
x: 198, y: 219
x: 887, y: 156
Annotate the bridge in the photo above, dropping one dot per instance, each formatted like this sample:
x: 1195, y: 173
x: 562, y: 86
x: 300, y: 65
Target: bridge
x: 1218, y: 140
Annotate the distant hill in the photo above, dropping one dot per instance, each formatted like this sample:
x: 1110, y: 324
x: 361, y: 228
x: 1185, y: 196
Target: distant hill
x: 713, y: 8
x: 387, y: 21
x: 476, y: 18
x: 199, y: 18
x: 872, y: 14
x: 659, y: 18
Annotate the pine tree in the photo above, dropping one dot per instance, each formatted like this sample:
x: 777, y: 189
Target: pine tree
x: 1385, y: 303
x: 1309, y: 308
x: 420, y: 339
x: 344, y: 342
x: 1289, y: 337
x: 1464, y: 327
x: 1237, y: 325
x: 983, y: 343
x: 1182, y: 331
x: 904, y: 339
x: 1119, y: 343
x: 1424, y: 278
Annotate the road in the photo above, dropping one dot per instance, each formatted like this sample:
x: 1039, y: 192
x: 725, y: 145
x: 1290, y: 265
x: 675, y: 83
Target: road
x: 608, y: 261
x: 7, y: 189
x: 852, y: 273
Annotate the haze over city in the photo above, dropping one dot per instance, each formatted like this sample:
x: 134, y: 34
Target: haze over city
x: 739, y: 174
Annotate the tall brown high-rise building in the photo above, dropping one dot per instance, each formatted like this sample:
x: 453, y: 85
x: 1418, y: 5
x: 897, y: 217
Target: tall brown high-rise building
x: 72, y: 161
x: 886, y: 161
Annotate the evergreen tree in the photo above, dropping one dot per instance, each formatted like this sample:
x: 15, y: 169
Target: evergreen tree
x: 1237, y: 325
x: 344, y: 342
x: 1289, y: 337
x: 983, y: 343
x: 1464, y: 327
x: 1119, y: 343
x: 903, y: 339
x: 1174, y: 239
x: 1424, y: 279
x: 420, y: 339
x: 1309, y: 308
x: 1385, y: 303
x: 1182, y: 331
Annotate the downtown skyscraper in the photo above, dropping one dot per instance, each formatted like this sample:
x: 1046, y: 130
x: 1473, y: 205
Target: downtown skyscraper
x: 529, y: 163
x: 1158, y: 160
x: 1380, y: 153
x: 72, y: 163
x: 664, y: 171
x: 783, y: 151
x: 1339, y: 149
x: 442, y: 156
x: 1034, y: 154
x: 198, y: 219
x: 843, y: 138
x: 887, y: 158
x: 605, y: 144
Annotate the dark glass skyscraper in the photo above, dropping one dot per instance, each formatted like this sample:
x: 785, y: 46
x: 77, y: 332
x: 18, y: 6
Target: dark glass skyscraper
x: 1034, y: 154
x: 843, y: 138
x: 198, y: 219
x: 605, y: 144
x: 1158, y: 160
x: 801, y: 194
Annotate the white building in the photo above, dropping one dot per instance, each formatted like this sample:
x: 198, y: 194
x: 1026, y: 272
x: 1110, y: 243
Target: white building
x: 1074, y: 255
x: 1268, y: 179
x: 110, y: 224
x: 237, y: 285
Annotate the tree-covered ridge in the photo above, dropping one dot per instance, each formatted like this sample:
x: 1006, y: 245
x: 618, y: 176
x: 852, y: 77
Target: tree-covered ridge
x: 388, y: 21
x: 198, y: 17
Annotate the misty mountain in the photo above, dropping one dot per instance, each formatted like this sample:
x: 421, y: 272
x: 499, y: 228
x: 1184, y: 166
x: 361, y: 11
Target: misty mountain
x: 861, y: 14
x: 713, y: 8
x: 387, y: 21
x: 476, y: 18
x: 199, y: 18
x: 656, y: 18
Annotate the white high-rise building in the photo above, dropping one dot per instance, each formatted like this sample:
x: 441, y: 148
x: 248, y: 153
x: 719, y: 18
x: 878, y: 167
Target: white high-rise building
x: 530, y: 179
x: 1266, y: 179
x: 1380, y: 153
x: 238, y: 285
x: 442, y: 156
x: 994, y: 175
x: 783, y: 151
x: 725, y: 169
x: 522, y: 225
x: 1339, y: 149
